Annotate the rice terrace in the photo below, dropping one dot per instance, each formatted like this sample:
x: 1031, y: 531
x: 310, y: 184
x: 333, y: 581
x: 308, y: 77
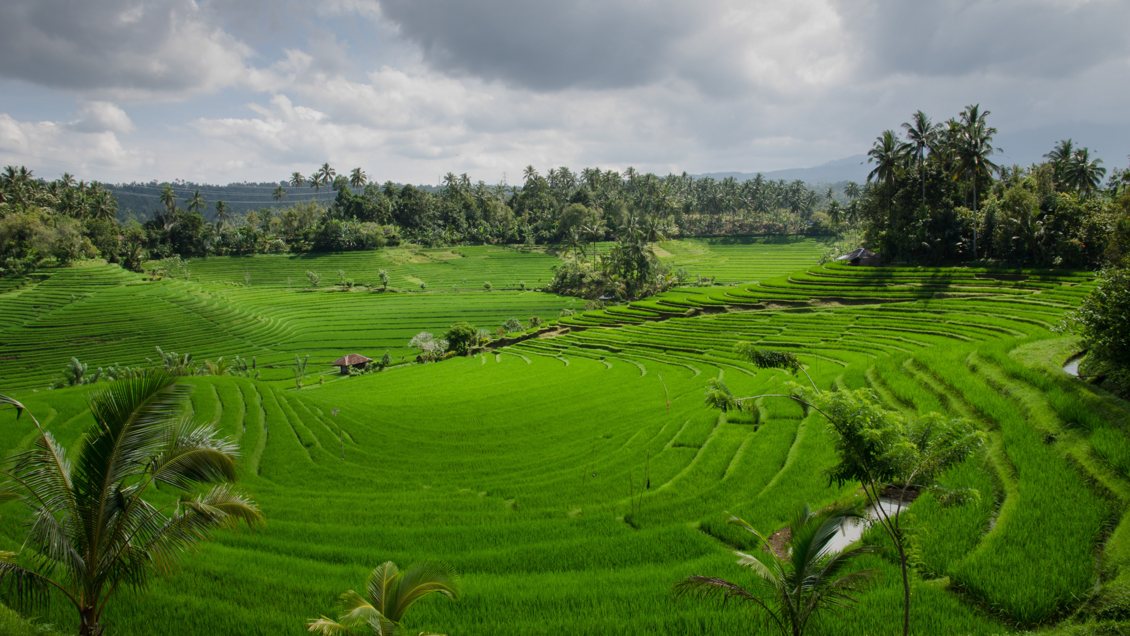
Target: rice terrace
x: 382, y: 317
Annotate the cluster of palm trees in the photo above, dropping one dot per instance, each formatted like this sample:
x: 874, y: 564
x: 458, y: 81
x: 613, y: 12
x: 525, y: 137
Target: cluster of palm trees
x: 962, y: 146
x: 1075, y: 169
x: 62, y: 219
x: 927, y: 190
x: 19, y: 188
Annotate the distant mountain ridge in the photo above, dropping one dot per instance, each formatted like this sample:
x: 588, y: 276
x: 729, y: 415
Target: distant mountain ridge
x: 853, y: 168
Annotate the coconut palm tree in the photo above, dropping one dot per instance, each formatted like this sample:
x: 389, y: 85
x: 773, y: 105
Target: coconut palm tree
x: 791, y: 588
x: 1082, y: 173
x: 169, y: 199
x: 222, y: 214
x: 297, y: 180
x: 92, y: 528
x: 921, y: 134
x: 389, y: 594
x: 974, y: 145
x: 887, y: 154
x: 1060, y: 158
x: 358, y: 178
x: 196, y: 202
x: 279, y: 193
x: 326, y: 174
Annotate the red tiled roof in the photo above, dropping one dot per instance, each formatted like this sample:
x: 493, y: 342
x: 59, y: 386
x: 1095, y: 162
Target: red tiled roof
x: 351, y: 359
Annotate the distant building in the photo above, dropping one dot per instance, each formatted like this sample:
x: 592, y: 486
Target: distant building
x: 351, y: 360
x: 861, y: 256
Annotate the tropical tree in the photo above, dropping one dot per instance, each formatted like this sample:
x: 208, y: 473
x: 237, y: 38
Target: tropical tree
x: 325, y: 174
x: 196, y: 202
x: 921, y: 134
x: 280, y: 192
x: 389, y: 594
x: 430, y: 347
x: 887, y: 153
x: 297, y: 179
x: 1082, y: 173
x: 1104, y: 322
x: 973, y: 144
x: 169, y: 199
x: 222, y: 214
x: 92, y: 527
x: 885, y: 450
x: 1060, y: 157
x: 358, y: 178
x: 792, y: 587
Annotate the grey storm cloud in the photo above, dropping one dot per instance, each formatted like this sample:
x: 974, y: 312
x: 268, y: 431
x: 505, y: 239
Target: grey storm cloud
x: 548, y: 45
x: 166, y: 46
x: 1040, y: 38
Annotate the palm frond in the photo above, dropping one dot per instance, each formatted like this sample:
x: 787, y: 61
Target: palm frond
x: 422, y: 579
x: 220, y: 507
x: 53, y: 540
x: 357, y: 611
x: 767, y: 572
x: 43, y: 474
x: 130, y: 417
x: 24, y: 585
x: 192, y: 453
x: 382, y: 585
x: 326, y: 626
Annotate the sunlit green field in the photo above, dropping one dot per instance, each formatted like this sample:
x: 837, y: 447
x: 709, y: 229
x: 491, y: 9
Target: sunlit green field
x: 573, y: 480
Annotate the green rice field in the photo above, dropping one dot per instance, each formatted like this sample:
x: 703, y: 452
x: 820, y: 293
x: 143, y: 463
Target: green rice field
x: 573, y: 478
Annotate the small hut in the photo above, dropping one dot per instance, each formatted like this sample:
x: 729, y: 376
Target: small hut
x: 860, y: 256
x: 350, y: 361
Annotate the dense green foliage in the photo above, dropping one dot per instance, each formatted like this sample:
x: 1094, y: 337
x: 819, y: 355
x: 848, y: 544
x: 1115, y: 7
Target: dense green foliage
x: 1104, y: 319
x: 938, y: 197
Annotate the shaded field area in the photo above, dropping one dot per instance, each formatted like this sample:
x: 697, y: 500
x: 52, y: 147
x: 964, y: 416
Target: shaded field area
x: 574, y: 479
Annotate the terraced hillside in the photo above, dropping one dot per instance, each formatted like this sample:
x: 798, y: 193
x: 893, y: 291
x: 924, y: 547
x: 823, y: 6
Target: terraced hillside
x: 264, y: 307
x: 574, y: 479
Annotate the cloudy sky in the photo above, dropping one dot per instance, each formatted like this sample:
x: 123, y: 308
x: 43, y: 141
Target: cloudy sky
x: 233, y: 90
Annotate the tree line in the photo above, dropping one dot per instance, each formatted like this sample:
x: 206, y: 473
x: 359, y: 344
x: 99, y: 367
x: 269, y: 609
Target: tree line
x: 64, y: 220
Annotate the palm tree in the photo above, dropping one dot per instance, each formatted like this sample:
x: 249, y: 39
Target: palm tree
x: 196, y: 202
x: 1083, y: 173
x: 102, y: 204
x: 169, y: 199
x: 221, y: 214
x: 297, y: 180
x: 793, y: 587
x: 389, y: 595
x: 326, y: 174
x: 279, y: 193
x: 887, y: 154
x: 92, y: 529
x: 1060, y: 158
x: 920, y: 133
x: 974, y: 144
x: 316, y: 181
x: 358, y: 178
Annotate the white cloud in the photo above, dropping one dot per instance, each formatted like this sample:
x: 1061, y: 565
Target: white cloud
x: 97, y: 116
x: 118, y: 48
x: 409, y: 91
x: 51, y: 148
